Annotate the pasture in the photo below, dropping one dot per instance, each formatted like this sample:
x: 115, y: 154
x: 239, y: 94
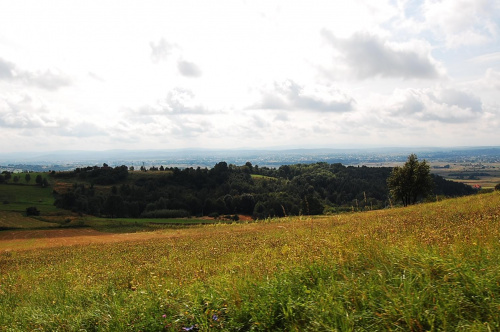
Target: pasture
x: 427, y: 267
x: 17, y: 197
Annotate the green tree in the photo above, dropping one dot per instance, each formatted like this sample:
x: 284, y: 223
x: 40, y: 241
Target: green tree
x: 410, y: 182
x: 114, y: 206
x: 27, y: 177
x: 7, y: 175
x: 32, y: 211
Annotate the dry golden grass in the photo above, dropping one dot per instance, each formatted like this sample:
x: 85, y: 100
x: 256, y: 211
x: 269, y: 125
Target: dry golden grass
x: 426, y: 267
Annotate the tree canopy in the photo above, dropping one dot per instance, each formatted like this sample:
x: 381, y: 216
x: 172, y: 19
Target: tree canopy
x: 227, y: 189
x: 411, y: 181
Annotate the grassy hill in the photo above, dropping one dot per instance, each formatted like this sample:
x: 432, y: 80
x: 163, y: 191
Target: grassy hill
x: 426, y: 267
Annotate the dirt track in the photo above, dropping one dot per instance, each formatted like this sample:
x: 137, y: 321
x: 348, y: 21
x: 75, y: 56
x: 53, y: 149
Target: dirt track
x: 23, y: 240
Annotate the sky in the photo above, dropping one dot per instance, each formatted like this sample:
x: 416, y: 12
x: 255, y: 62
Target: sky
x: 99, y: 75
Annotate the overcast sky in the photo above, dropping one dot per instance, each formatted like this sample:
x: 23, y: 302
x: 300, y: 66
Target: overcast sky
x: 97, y: 75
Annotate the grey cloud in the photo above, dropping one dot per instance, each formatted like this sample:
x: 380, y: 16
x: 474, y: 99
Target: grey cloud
x: 369, y: 56
x: 46, y: 80
x: 281, y: 117
x: 182, y: 101
x: 21, y: 120
x: 161, y: 51
x: 461, y: 99
x: 27, y: 114
x: 189, y: 129
x: 443, y: 105
x: 188, y: 69
x: 23, y: 114
x: 292, y: 96
x: 6, y: 69
x: 179, y: 101
x: 258, y: 122
x: 83, y: 129
x: 179, y: 115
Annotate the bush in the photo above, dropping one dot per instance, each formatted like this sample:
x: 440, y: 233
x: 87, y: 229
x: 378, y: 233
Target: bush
x: 32, y: 211
x: 497, y: 187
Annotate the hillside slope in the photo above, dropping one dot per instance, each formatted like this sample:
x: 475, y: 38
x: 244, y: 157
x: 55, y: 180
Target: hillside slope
x: 427, y: 267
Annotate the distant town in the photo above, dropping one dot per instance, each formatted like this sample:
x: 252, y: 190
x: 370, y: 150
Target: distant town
x: 478, y: 157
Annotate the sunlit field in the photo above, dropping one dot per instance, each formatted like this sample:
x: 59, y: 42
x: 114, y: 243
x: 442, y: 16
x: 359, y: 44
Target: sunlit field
x: 427, y: 267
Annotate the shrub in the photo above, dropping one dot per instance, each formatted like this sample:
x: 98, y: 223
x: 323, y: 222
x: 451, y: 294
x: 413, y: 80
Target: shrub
x: 32, y: 211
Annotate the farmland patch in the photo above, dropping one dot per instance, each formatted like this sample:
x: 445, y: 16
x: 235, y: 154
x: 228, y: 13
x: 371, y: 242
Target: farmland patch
x: 11, y: 219
x: 32, y: 239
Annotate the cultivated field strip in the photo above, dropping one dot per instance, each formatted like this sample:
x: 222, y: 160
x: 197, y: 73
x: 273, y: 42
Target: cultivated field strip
x: 25, y: 239
x: 10, y: 219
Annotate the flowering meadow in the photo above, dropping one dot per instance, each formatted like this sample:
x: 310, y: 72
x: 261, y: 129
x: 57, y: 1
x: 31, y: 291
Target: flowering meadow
x: 427, y: 267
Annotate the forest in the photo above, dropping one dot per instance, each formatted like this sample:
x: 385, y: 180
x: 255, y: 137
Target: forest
x: 230, y: 190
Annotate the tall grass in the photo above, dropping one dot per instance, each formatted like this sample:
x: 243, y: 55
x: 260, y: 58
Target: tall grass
x: 427, y: 267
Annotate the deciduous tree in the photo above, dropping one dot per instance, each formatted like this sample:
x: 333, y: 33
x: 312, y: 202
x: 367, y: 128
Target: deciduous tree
x: 410, y: 182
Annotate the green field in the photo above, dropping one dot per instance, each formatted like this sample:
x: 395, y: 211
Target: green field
x: 17, y: 197
x: 429, y: 267
x: 263, y: 177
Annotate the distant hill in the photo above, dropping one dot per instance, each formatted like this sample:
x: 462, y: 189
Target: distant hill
x: 60, y: 160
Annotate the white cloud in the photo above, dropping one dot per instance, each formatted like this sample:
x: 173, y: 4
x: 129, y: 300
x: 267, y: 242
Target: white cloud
x: 188, y: 69
x: 7, y: 70
x: 24, y: 112
x: 79, y: 130
x: 255, y: 74
x: 161, y: 50
x: 439, y: 104
x: 33, y: 116
x: 49, y: 79
x: 490, y: 80
x: 368, y: 56
x: 289, y: 95
x: 487, y: 58
x: 179, y: 101
x: 462, y: 22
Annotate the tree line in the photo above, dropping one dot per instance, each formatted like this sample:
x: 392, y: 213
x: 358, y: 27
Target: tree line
x: 261, y: 192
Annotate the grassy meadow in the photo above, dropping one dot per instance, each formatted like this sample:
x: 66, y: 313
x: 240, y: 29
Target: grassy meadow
x: 427, y: 267
x: 16, y: 197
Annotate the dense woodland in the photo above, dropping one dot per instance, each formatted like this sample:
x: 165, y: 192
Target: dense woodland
x: 306, y: 189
